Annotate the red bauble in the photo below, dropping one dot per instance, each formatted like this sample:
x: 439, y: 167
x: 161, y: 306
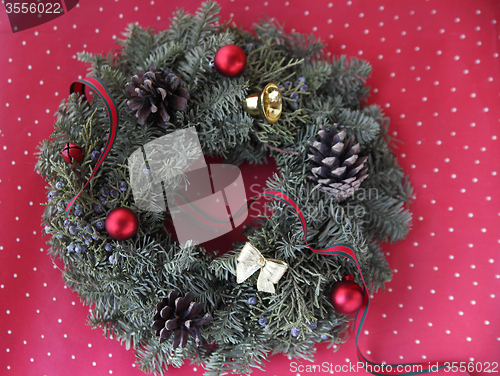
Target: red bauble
x: 121, y: 223
x: 72, y: 153
x: 347, y: 296
x: 230, y: 61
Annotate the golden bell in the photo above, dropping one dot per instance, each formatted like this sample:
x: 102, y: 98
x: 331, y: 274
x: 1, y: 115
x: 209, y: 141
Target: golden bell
x: 267, y: 104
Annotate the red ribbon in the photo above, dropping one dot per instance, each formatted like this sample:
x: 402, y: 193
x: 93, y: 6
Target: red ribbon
x: 112, y: 109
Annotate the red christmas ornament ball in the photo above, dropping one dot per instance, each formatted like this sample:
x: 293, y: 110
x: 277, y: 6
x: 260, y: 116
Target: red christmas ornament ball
x: 72, y: 153
x: 121, y: 223
x: 347, y: 296
x: 230, y: 61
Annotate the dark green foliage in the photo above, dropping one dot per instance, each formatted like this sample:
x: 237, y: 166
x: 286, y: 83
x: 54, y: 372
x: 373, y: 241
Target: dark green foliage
x: 122, y: 281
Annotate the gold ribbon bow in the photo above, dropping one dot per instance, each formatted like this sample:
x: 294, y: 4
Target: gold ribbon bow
x: 250, y: 260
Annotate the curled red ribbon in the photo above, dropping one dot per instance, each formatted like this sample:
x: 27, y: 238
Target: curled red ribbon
x: 112, y: 109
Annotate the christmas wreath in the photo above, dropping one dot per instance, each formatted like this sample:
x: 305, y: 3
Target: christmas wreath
x: 173, y: 301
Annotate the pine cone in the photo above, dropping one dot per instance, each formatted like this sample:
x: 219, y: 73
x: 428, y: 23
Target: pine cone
x: 176, y: 315
x: 157, y: 92
x: 335, y: 163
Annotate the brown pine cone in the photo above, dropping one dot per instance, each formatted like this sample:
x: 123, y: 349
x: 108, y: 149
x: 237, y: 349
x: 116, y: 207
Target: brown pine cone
x: 335, y: 163
x: 176, y: 315
x: 158, y: 93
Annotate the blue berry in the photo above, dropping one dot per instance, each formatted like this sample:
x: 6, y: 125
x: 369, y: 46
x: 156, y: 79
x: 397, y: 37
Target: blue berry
x: 252, y: 300
x: 281, y: 88
x: 95, y: 155
x: 114, y: 193
x: 59, y: 185
x: 100, y: 225
x: 263, y: 321
x: 95, y: 236
x: 88, y: 240
x: 105, y: 191
x: 71, y: 248
x: 295, y: 105
x: 250, y: 47
x: 102, y: 200
x: 294, y: 96
x: 304, y: 87
x: 66, y: 222
x: 51, y: 195
x: 313, y: 325
x: 108, y: 247
x: 72, y: 230
x: 111, y: 259
x: 98, y: 209
x: 300, y: 80
x: 123, y: 186
x: 59, y: 236
x: 78, y: 211
x: 287, y: 83
x: 47, y: 229
x: 324, y: 337
x: 79, y: 225
x: 88, y: 228
x: 79, y: 249
x: 295, y: 331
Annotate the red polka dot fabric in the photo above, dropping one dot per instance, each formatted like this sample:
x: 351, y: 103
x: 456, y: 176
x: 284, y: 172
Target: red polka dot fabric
x: 436, y: 74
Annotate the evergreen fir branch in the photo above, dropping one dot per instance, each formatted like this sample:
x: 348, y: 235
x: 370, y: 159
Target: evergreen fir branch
x: 348, y: 80
x: 165, y: 55
x: 222, y: 99
x: 177, y: 31
x: 296, y: 44
x: 316, y: 73
x: 363, y: 127
x: 204, y: 24
x: 388, y: 219
x: 137, y: 46
x: 196, y: 71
